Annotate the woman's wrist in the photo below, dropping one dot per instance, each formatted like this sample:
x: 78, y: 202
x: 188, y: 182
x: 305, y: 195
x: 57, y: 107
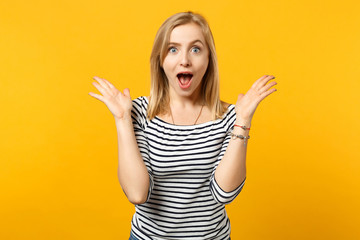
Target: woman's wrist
x: 242, y: 126
x: 243, y: 122
x: 124, y: 120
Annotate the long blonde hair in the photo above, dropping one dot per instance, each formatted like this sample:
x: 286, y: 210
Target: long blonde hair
x: 159, y: 91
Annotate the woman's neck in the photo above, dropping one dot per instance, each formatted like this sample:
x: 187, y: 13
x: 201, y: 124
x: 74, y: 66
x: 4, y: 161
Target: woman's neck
x: 185, y: 102
x: 186, y: 111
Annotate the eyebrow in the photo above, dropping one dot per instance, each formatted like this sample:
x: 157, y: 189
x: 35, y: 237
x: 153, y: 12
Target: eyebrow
x: 177, y: 44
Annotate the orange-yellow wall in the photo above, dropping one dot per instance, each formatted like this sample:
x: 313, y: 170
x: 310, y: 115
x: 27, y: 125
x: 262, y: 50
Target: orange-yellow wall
x: 58, y: 153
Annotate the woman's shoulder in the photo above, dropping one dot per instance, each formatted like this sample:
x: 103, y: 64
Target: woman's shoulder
x: 141, y: 101
x: 229, y: 111
x: 229, y: 116
x: 140, y: 105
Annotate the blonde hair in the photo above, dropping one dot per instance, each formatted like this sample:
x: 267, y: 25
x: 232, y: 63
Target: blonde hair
x: 159, y: 91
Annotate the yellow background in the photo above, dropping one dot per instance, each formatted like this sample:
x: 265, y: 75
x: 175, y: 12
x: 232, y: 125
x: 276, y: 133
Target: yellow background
x: 58, y: 152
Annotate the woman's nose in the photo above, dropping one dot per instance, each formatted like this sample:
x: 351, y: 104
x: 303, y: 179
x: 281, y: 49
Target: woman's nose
x: 185, y: 60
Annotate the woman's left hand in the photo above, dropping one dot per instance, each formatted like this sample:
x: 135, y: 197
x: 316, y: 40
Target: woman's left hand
x: 246, y: 104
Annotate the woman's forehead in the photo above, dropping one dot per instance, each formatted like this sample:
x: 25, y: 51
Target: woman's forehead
x: 187, y: 33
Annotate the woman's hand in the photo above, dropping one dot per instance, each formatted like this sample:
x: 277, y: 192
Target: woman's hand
x: 119, y: 103
x: 246, y: 104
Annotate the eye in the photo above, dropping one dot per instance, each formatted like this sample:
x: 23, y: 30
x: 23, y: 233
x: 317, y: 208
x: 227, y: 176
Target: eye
x: 172, y: 50
x: 195, y: 49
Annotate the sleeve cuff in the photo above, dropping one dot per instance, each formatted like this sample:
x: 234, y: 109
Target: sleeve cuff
x: 151, y: 185
x: 222, y: 196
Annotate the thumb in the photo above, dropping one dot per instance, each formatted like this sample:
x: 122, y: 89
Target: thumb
x: 127, y: 92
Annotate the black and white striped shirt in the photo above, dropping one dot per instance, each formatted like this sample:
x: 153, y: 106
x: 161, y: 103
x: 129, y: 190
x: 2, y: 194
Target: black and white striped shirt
x: 184, y: 200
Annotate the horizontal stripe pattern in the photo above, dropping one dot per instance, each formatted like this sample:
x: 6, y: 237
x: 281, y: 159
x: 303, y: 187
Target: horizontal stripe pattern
x: 184, y: 199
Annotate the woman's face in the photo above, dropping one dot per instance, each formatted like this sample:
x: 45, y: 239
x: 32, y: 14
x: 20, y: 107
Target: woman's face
x: 186, y: 61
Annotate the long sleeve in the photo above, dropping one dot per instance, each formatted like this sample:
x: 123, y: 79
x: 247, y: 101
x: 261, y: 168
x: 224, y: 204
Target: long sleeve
x: 138, y: 115
x: 218, y: 193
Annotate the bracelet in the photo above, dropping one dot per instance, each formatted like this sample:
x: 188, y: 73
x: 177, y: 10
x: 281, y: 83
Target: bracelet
x: 243, y: 127
x: 234, y: 136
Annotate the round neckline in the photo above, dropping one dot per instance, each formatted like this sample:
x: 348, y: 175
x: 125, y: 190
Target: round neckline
x: 190, y: 126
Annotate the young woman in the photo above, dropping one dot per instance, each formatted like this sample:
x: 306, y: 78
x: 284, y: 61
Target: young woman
x: 182, y: 151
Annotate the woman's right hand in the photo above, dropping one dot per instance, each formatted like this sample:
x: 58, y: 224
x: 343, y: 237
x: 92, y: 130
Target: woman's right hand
x: 120, y: 104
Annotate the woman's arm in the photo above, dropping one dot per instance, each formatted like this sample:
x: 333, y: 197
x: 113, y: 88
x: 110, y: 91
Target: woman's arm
x: 231, y: 171
x: 132, y: 172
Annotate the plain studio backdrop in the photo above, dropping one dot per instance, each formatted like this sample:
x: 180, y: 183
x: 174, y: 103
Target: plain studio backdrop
x: 58, y: 150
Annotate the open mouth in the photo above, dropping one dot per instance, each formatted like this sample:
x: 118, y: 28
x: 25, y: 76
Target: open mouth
x: 184, y: 79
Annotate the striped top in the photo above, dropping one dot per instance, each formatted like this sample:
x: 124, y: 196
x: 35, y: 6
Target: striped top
x: 184, y: 199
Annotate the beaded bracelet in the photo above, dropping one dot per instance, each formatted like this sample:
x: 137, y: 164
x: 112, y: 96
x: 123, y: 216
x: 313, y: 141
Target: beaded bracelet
x: 243, y: 127
x: 234, y: 136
